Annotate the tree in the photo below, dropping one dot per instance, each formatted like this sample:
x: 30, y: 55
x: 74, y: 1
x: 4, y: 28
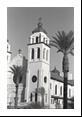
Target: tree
x: 17, y: 78
x: 65, y: 44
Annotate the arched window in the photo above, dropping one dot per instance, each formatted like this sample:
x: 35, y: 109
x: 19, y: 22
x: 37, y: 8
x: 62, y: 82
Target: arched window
x: 35, y: 97
x: 47, y: 55
x: 45, y: 79
x: 61, y: 90
x: 31, y: 97
x: 69, y: 92
x: 32, y: 54
x: 44, y: 53
x: 44, y: 39
x: 36, y: 39
x: 32, y: 40
x: 38, y: 53
x: 56, y: 89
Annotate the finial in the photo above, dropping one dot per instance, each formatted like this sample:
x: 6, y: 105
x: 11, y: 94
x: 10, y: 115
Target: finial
x: 40, y: 23
x: 19, y: 51
x: 40, y: 19
x: 55, y: 67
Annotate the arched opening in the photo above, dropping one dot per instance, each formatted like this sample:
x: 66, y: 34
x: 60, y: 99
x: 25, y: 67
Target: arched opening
x: 56, y: 89
x: 32, y: 54
x: 45, y: 79
x: 31, y: 97
x: 35, y: 97
x: 44, y: 50
x: 61, y: 90
x: 36, y: 39
x: 47, y: 55
x: 38, y: 53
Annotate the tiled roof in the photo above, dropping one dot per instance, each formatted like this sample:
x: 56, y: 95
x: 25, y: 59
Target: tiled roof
x: 55, y: 76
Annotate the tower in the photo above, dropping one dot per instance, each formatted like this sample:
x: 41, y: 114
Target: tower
x: 38, y: 65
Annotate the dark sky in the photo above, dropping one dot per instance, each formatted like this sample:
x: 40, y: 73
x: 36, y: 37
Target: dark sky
x: 21, y: 21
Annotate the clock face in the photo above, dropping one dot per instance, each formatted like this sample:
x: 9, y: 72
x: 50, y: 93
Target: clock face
x: 45, y: 79
x: 34, y: 79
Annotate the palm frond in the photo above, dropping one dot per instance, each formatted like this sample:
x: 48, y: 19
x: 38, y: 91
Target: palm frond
x: 71, y: 53
x: 11, y: 72
x: 52, y: 44
x: 56, y: 39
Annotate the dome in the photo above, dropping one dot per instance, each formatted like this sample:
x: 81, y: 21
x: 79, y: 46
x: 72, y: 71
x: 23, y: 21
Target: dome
x: 56, y: 71
x: 39, y: 28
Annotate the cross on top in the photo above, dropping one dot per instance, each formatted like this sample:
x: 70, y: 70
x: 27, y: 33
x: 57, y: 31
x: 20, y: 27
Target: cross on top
x: 40, y: 19
x: 19, y: 51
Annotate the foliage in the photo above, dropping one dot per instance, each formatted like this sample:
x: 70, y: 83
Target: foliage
x: 65, y: 44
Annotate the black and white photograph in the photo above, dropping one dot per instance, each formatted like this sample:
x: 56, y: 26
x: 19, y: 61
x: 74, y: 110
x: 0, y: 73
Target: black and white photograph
x: 40, y: 58
x: 40, y: 53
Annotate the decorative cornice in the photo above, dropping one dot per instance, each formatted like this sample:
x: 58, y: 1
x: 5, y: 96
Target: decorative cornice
x: 39, y: 43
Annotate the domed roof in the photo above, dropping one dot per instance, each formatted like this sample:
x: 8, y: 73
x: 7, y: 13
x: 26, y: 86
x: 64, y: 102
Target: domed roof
x: 39, y: 28
x: 56, y: 71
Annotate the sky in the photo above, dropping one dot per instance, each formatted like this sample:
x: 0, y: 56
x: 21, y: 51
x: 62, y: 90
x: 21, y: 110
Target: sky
x: 21, y: 21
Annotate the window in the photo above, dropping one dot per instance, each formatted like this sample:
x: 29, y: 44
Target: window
x: 69, y: 92
x: 44, y: 53
x: 44, y: 39
x: 56, y: 89
x: 47, y: 55
x: 45, y: 79
x: 38, y: 53
x: 32, y: 40
x: 61, y: 90
x: 34, y: 79
x: 36, y: 39
x: 35, y: 97
x: 50, y: 86
x: 32, y: 54
x: 31, y: 97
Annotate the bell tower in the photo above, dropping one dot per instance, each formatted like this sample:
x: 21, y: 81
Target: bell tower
x: 38, y: 64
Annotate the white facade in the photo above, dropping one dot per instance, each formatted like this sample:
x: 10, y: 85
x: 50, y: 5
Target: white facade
x: 38, y: 66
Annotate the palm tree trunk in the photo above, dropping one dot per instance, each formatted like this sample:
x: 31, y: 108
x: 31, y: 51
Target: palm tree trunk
x: 16, y: 97
x: 65, y: 70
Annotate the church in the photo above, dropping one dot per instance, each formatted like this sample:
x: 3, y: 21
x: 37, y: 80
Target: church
x: 36, y: 73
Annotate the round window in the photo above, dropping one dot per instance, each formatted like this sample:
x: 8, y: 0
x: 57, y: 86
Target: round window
x: 34, y: 79
x: 45, y: 79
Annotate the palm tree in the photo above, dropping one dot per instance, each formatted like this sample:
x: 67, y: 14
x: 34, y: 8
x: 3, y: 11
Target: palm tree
x: 65, y: 44
x: 17, y: 78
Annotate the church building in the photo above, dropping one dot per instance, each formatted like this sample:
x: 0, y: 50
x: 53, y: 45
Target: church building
x: 37, y: 73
